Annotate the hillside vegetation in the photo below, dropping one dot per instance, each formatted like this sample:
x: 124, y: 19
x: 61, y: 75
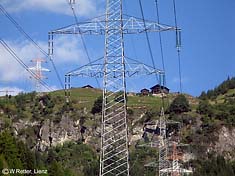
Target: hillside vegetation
x: 26, y: 121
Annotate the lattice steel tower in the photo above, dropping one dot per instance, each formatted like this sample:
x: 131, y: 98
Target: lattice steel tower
x: 114, y: 158
x: 38, y: 71
x: 114, y: 139
x: 163, y: 146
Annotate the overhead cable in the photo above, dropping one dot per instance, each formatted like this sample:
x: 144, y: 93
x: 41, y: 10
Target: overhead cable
x: 160, y: 38
x: 82, y: 38
x: 147, y: 37
x: 178, y: 43
x: 13, y: 54
x: 163, y: 83
x: 20, y: 29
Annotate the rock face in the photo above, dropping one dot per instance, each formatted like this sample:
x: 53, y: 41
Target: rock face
x: 226, y: 143
x: 41, y: 135
x: 48, y: 133
x: 52, y: 134
x: 136, y: 135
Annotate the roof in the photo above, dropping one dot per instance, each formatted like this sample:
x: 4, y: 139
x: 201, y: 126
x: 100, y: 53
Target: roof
x: 158, y: 86
x: 87, y: 86
x: 144, y: 90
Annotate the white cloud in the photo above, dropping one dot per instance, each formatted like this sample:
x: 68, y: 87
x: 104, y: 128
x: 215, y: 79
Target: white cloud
x: 82, y: 7
x: 10, y: 91
x: 9, y: 68
x: 67, y: 50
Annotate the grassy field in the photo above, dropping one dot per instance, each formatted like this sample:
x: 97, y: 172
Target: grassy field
x: 144, y: 102
x: 85, y: 97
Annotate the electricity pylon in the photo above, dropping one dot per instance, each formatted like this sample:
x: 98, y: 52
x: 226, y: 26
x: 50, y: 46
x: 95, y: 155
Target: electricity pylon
x: 38, y: 71
x: 7, y: 91
x: 114, y: 68
x: 174, y: 168
x: 163, y: 145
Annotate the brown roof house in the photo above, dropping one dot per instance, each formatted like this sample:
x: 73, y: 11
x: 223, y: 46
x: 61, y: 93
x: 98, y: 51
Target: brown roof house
x: 144, y: 92
x: 158, y: 89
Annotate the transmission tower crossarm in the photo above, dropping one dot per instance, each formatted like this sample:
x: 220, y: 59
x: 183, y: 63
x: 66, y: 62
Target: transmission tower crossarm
x: 132, y: 68
x: 131, y: 25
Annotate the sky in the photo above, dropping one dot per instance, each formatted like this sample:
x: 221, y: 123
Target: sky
x: 207, y: 54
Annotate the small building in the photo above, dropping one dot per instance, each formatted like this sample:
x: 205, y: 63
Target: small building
x: 144, y: 92
x: 158, y: 89
x: 88, y: 86
x: 131, y: 94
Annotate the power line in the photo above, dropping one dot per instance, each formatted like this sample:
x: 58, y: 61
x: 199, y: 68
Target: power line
x: 175, y: 16
x: 20, y: 29
x: 147, y: 37
x: 57, y: 73
x: 13, y: 54
x: 70, y: 2
x: 162, y: 55
x: 160, y: 36
x: 178, y: 44
x: 180, y: 72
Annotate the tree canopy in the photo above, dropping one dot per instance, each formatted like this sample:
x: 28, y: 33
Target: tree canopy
x: 180, y: 104
x: 97, y: 107
x: 221, y: 89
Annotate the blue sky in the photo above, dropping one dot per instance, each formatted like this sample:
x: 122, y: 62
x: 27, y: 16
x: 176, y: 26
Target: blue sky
x: 207, y: 55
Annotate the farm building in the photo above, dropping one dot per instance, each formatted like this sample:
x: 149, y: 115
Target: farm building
x: 144, y: 91
x: 158, y: 89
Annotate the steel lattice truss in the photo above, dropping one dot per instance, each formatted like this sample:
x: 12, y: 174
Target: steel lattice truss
x: 38, y: 71
x: 114, y: 68
x: 131, y: 25
x: 163, y: 146
x: 168, y: 163
x: 171, y: 165
x: 114, y: 139
x: 132, y: 68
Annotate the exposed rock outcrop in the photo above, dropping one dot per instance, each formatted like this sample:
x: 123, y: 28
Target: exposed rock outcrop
x: 226, y: 143
x: 47, y: 133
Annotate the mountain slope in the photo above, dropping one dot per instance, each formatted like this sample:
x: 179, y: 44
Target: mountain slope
x: 55, y: 130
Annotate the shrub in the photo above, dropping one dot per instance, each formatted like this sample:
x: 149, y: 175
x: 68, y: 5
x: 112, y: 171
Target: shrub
x: 180, y: 104
x: 97, y: 107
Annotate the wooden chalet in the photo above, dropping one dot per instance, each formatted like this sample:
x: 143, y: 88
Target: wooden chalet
x: 158, y: 89
x: 144, y: 92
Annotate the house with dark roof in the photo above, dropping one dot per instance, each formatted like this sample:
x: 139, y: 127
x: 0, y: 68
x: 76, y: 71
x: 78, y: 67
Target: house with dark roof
x: 144, y: 92
x: 88, y: 86
x: 158, y: 89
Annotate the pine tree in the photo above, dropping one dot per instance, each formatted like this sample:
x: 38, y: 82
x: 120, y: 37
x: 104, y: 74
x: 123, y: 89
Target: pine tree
x: 9, y: 150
